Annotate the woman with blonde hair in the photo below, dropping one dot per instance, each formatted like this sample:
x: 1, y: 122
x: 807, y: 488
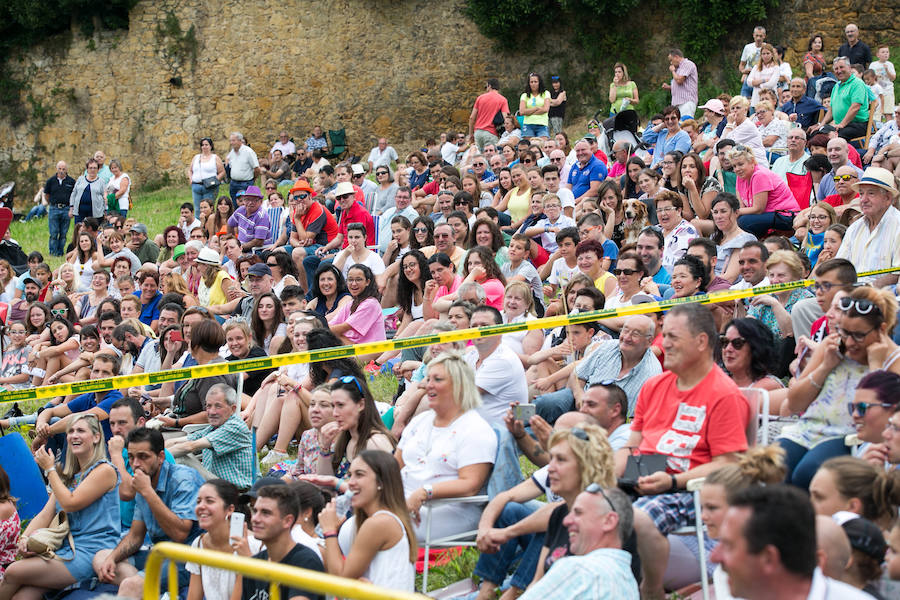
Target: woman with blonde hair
x: 448, y: 451
x: 742, y: 130
x: 214, y: 281
x: 8, y: 281
x: 774, y: 310
x: 86, y: 487
x: 766, y: 200
x: 623, y: 93
x: 518, y: 199
x: 173, y: 283
x: 860, y: 342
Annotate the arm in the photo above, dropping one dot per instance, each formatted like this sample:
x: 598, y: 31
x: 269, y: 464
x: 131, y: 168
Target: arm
x: 129, y: 544
x: 126, y: 489
x: 172, y: 525
x: 804, y: 389
x: 100, y: 480
x: 374, y: 535
x: 591, y: 192
x: 760, y: 200
x: 851, y: 114
x: 732, y: 269
x: 472, y: 118
x: 181, y: 446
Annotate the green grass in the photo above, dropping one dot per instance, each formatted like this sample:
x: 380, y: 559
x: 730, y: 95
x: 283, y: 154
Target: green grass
x: 157, y: 210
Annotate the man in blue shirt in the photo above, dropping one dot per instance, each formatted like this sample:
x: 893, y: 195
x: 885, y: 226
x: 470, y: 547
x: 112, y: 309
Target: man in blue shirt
x: 165, y: 495
x: 586, y: 174
x: 98, y: 403
x: 801, y: 108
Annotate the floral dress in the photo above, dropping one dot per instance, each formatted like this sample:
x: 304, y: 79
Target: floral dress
x: 9, y: 540
x: 767, y: 316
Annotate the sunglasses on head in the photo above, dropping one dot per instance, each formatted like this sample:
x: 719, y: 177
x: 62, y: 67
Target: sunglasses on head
x: 860, y: 305
x: 353, y: 380
x: 860, y: 408
x: 737, y: 342
x: 596, y: 488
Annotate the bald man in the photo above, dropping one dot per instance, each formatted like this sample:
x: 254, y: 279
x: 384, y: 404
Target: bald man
x: 832, y: 548
x: 56, y: 193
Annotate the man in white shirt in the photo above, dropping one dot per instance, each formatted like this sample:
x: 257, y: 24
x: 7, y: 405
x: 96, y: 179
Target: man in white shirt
x: 381, y: 155
x: 792, y: 162
x: 243, y: 165
x: 401, y: 207
x: 450, y: 148
x: 499, y: 373
x: 752, y: 259
x: 750, y: 57
x: 284, y: 144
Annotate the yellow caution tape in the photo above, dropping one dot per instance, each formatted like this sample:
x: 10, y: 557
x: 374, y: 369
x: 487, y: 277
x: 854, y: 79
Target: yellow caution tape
x: 280, y: 360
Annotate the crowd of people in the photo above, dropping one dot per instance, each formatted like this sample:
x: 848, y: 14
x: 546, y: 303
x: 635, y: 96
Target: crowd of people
x: 504, y: 223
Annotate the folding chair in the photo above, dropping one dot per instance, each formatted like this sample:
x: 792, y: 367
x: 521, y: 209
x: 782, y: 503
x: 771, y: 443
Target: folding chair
x: 338, y: 149
x: 863, y: 140
x: 801, y: 187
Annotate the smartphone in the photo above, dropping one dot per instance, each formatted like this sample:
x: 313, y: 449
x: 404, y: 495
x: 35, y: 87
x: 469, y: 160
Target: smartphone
x: 842, y: 347
x: 523, y: 412
x: 176, y: 336
x: 236, y: 525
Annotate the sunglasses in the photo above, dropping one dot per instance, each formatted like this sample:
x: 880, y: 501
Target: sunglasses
x: 596, y: 488
x: 353, y: 380
x: 478, y: 164
x: 58, y: 312
x: 381, y: 173
x: 860, y: 408
x: 737, y: 342
x: 618, y: 272
x: 420, y: 229
x: 860, y: 305
x: 843, y: 178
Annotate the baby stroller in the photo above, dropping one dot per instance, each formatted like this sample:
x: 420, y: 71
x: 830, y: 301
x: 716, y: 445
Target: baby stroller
x: 623, y: 127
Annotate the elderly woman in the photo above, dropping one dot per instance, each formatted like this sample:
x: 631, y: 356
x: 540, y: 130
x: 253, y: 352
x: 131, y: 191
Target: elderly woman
x: 772, y: 130
x: 742, y: 130
x: 673, y: 139
x: 859, y: 342
x: 767, y: 201
x: 87, y: 196
x: 118, y: 190
x: 774, y: 310
x: 448, y: 451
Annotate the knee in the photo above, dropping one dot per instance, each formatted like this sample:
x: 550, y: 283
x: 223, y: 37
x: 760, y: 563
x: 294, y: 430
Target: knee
x: 298, y: 254
x: 644, y: 525
x: 132, y: 587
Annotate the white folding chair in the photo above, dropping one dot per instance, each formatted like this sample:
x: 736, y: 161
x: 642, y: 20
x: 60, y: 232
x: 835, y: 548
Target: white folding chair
x: 465, y: 538
x: 697, y: 529
x: 758, y: 427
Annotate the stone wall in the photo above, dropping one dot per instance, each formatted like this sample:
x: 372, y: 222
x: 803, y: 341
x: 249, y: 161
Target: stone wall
x: 404, y: 70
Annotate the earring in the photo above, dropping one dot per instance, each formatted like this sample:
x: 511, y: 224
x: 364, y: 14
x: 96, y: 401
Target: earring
x: 378, y: 488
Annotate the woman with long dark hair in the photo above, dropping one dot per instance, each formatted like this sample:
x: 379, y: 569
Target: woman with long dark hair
x: 747, y: 354
x: 422, y: 233
x: 534, y: 106
x: 361, y: 320
x: 267, y: 323
x: 328, y: 371
x: 329, y: 291
x: 629, y: 182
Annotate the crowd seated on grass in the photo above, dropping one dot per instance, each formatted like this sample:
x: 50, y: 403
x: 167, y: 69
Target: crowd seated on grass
x: 584, y: 437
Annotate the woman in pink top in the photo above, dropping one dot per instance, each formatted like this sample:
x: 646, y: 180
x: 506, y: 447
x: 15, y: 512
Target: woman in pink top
x: 440, y: 290
x: 766, y: 201
x: 481, y: 268
x: 361, y: 320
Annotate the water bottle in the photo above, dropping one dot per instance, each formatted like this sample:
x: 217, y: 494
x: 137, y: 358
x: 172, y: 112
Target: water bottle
x: 342, y: 504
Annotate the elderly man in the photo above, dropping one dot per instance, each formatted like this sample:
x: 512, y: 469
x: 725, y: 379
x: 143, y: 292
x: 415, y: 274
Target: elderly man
x: 317, y: 141
x: 260, y: 281
x: 837, y: 151
x: 621, y: 151
x: 586, y: 174
x: 243, y: 165
x: 696, y: 417
x: 873, y: 242
x: 56, y: 192
x: 444, y: 242
x: 884, y: 149
x: 683, y: 84
x: 627, y: 362
x: 598, y: 568
x: 801, y: 108
x: 480, y: 170
x: 284, y: 145
x: 849, y: 108
x: 767, y: 546
x: 225, y: 442
x: 845, y: 195
x: 250, y: 223
x: 858, y: 52
x: 381, y: 155
x: 302, y: 163
x: 143, y: 247
x: 793, y: 161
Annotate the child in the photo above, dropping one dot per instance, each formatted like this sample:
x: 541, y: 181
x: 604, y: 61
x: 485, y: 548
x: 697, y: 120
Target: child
x: 564, y: 266
x: 9, y: 524
x: 15, y: 357
x: 885, y: 74
x: 519, y: 269
x: 42, y: 275
x: 125, y: 285
x: 871, y: 82
x: 892, y: 560
x: 551, y: 224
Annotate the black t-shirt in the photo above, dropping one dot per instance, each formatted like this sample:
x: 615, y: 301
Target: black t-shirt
x: 302, y: 166
x: 298, y: 556
x: 254, y: 378
x: 58, y: 192
x: 560, y: 109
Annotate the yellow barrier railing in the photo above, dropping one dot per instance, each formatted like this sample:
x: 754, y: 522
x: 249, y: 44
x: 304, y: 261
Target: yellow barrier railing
x: 276, y: 574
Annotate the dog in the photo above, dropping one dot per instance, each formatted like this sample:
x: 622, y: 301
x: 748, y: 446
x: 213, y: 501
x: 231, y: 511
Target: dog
x: 635, y: 219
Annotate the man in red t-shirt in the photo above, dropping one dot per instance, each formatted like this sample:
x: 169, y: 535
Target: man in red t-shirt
x: 313, y: 226
x: 696, y: 416
x: 481, y: 121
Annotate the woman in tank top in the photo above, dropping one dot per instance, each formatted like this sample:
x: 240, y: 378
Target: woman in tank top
x: 205, y: 167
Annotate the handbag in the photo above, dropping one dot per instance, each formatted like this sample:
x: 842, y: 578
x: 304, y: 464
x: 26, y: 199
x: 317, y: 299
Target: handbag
x: 210, y: 182
x: 45, y: 541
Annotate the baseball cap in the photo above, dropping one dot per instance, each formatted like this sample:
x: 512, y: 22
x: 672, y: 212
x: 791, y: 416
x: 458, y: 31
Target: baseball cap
x: 715, y: 105
x: 178, y: 251
x: 865, y: 536
x: 139, y: 227
x: 259, y: 269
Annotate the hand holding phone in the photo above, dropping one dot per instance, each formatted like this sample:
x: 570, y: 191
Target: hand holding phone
x: 236, y: 525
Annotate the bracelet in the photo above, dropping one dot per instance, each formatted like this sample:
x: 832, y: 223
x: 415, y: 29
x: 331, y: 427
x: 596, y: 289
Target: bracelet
x: 674, y: 483
x: 329, y: 534
x: 176, y: 421
x: 50, y: 470
x: 813, y: 382
x: 326, y: 454
x: 337, y: 484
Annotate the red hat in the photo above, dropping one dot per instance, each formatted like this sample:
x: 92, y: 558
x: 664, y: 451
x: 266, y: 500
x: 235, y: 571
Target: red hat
x: 302, y: 186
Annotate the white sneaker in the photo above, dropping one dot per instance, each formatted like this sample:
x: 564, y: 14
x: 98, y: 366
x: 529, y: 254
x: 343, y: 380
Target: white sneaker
x: 273, y: 457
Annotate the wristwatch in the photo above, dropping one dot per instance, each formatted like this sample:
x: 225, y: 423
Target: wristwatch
x: 429, y: 491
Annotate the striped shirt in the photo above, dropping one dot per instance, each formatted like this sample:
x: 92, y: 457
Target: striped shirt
x: 604, y: 573
x: 872, y: 249
x: 254, y: 227
x: 231, y: 454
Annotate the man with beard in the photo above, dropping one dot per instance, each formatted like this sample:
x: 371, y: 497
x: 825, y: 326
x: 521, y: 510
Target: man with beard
x: 19, y: 308
x: 128, y: 340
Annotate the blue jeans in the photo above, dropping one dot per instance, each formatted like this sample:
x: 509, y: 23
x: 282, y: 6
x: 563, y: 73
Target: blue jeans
x: 233, y: 188
x: 37, y: 211
x: 553, y: 405
x: 531, y: 130
x: 746, y: 90
x: 760, y: 224
x: 200, y: 192
x: 802, y: 463
x: 59, y: 227
x: 493, y: 567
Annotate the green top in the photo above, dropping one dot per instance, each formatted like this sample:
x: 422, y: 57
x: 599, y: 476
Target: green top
x: 623, y: 93
x: 852, y: 91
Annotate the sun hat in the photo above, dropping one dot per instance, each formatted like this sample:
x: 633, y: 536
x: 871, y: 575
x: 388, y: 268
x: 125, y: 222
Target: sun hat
x: 879, y: 177
x: 208, y: 256
x: 344, y: 188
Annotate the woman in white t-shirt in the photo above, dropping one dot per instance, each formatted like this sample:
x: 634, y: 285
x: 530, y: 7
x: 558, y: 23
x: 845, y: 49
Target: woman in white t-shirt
x: 356, y: 252
x: 377, y: 544
x: 217, y: 499
x: 119, y: 187
x: 448, y: 451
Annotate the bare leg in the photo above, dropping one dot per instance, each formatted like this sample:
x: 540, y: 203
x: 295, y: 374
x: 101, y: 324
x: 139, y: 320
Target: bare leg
x: 653, y: 548
x: 21, y: 575
x: 133, y: 587
x: 124, y: 569
x: 297, y: 256
x: 268, y: 425
x: 390, y: 291
x: 409, y: 330
x: 293, y: 421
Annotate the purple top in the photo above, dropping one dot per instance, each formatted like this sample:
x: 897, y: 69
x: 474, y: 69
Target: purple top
x: 687, y: 91
x: 249, y: 228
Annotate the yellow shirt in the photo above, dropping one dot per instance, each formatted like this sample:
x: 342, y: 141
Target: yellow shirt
x: 600, y: 282
x: 519, y: 204
x: 213, y: 296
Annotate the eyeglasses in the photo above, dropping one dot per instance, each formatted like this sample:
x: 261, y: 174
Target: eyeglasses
x: 358, y: 175
x: 527, y: 161
x: 629, y: 272
x: 665, y: 209
x: 596, y: 488
x: 580, y: 433
x: 860, y: 305
x: 353, y: 380
x: 670, y: 119
x: 478, y: 164
x: 410, y: 266
x: 274, y: 264
x: 271, y: 187
x: 627, y: 332
x: 860, y: 408
x: 893, y: 427
x: 668, y: 162
x: 847, y: 177
x: 420, y: 229
x: 825, y: 286
x: 557, y: 159
x: 858, y: 336
x: 58, y: 312
x: 737, y: 342
x: 813, y: 217
x: 441, y: 235
x: 460, y: 203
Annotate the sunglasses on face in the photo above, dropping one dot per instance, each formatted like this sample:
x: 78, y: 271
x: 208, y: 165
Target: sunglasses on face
x: 629, y: 272
x: 737, y: 342
x: 843, y: 178
x: 860, y: 408
x: 420, y: 229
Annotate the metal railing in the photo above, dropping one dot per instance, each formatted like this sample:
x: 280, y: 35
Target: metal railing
x: 276, y: 574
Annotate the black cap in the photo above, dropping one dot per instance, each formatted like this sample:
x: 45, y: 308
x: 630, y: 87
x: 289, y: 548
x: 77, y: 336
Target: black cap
x: 866, y: 536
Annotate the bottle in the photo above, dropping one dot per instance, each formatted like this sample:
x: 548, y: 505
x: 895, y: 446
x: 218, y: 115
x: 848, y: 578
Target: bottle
x: 343, y: 503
